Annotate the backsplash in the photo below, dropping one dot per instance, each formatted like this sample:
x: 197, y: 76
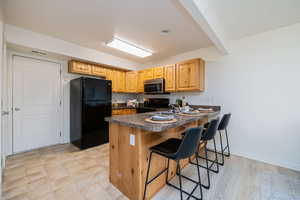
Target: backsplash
x: 192, y: 98
x: 122, y: 97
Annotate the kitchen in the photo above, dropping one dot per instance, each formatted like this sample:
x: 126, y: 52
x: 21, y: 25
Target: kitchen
x: 193, y: 102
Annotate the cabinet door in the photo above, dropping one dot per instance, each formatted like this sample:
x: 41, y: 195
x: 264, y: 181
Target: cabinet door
x: 111, y: 75
x: 183, y: 76
x: 131, y: 82
x: 115, y: 112
x: 80, y: 68
x: 158, y: 72
x: 170, y: 78
x: 190, y: 75
x: 98, y: 71
x: 148, y: 74
x: 117, y: 76
x: 122, y: 86
x: 119, y: 81
x: 140, y: 87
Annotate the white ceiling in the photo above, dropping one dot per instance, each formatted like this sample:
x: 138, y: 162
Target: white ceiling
x: 93, y: 22
x: 240, y: 18
x: 90, y: 23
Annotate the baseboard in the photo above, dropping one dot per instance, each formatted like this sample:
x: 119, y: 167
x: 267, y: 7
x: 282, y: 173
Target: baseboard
x: 292, y: 166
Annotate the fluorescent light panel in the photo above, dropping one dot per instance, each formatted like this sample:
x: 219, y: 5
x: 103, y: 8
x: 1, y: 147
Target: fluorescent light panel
x: 129, y: 48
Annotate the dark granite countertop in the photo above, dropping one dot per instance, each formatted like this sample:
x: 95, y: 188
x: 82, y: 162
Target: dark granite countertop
x: 138, y: 121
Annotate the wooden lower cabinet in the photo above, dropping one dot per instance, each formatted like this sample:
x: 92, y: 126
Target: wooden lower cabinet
x: 190, y: 75
x: 170, y: 78
x: 123, y: 111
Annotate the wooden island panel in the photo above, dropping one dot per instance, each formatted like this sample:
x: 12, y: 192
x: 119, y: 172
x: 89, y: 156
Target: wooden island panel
x: 128, y: 163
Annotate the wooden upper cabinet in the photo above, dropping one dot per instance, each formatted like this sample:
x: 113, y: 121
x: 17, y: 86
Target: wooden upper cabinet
x: 184, y: 76
x: 140, y: 85
x: 170, y: 78
x: 122, y: 86
x: 98, y: 71
x: 117, y: 78
x: 80, y: 68
x: 148, y: 74
x: 119, y: 81
x: 158, y: 72
x: 190, y: 75
x: 110, y: 75
x: 131, y: 81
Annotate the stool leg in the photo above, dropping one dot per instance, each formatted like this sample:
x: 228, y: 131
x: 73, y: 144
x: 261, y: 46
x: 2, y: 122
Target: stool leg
x: 146, y: 181
x: 167, y: 176
x: 199, y: 177
x: 222, y: 150
x: 228, y: 155
x: 179, y: 177
x: 207, y: 170
x: 216, y: 154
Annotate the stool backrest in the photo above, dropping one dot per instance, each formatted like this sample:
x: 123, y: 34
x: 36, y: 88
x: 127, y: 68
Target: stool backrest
x: 211, y: 130
x: 224, y: 122
x: 189, y: 143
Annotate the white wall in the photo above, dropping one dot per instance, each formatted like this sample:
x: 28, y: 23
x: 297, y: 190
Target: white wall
x: 25, y: 38
x: 258, y: 82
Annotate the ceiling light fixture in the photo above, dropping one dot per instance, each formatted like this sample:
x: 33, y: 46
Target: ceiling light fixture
x: 129, y: 48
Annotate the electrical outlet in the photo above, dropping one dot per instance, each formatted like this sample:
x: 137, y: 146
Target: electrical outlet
x: 132, y: 139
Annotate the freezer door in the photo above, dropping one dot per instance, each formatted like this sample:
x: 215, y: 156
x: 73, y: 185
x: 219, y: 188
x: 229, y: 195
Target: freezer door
x: 96, y: 90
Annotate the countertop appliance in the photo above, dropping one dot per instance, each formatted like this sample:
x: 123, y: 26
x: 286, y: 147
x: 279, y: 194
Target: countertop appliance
x: 154, y: 86
x: 154, y: 104
x: 90, y: 103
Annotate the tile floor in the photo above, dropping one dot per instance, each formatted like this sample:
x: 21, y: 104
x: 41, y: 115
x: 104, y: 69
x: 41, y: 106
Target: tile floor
x: 59, y: 172
x: 62, y: 172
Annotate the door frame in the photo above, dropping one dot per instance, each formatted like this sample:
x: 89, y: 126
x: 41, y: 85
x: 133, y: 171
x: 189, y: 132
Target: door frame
x: 9, y: 139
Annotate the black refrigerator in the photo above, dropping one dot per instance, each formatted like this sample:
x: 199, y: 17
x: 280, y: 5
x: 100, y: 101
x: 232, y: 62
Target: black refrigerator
x: 90, y: 103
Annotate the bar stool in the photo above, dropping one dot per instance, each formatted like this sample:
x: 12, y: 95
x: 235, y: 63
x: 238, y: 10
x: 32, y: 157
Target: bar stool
x: 223, y: 127
x: 209, y: 134
x: 177, y: 149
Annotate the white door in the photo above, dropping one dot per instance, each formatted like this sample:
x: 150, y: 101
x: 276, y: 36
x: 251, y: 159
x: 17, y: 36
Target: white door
x: 36, y: 103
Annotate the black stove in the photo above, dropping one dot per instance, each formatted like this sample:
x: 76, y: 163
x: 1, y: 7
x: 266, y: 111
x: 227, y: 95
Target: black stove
x: 154, y: 104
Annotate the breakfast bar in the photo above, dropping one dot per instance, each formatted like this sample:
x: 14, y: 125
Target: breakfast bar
x: 130, y: 137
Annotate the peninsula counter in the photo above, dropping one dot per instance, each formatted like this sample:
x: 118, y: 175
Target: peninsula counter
x: 130, y: 137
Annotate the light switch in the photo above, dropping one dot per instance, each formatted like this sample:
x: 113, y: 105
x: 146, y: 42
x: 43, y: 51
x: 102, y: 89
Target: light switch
x: 132, y: 139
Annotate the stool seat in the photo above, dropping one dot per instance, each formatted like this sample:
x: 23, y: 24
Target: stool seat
x: 177, y: 149
x: 167, y: 148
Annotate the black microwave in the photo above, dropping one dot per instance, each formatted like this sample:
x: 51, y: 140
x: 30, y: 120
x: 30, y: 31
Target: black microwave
x: 154, y: 86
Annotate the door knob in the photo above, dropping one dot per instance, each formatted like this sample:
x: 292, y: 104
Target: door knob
x: 17, y: 109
